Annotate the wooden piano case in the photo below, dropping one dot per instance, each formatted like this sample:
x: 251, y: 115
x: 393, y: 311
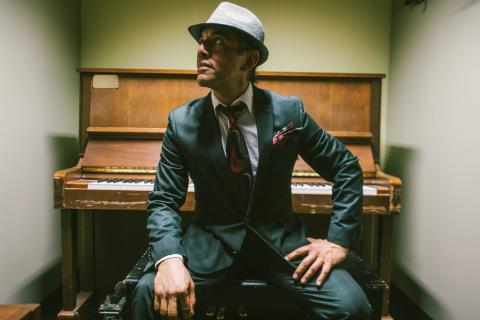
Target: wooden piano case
x: 123, y: 115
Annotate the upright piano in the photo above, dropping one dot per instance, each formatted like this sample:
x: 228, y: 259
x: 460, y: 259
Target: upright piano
x: 123, y: 115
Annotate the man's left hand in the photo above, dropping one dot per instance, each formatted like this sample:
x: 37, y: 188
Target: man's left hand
x: 320, y: 254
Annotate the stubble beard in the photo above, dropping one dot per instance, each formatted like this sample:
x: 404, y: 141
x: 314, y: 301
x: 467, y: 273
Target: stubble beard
x: 205, y: 81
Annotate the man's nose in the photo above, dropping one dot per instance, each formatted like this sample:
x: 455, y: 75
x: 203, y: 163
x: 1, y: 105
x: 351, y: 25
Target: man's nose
x: 202, y: 51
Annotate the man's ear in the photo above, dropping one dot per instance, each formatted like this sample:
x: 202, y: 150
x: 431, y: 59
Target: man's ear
x: 253, y: 57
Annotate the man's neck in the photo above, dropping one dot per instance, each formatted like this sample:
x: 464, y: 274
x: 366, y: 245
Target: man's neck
x: 228, y: 95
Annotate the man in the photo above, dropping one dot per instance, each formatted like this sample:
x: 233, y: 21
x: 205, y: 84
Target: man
x: 239, y: 145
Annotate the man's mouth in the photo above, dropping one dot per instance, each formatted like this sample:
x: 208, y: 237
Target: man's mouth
x: 202, y: 66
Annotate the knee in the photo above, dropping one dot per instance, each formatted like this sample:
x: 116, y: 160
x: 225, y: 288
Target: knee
x: 346, y: 301
x: 142, y: 298
x: 349, y: 307
x: 144, y: 289
x: 355, y: 306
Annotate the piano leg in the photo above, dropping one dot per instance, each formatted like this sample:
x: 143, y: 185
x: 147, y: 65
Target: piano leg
x: 74, y: 306
x: 386, y: 251
x: 85, y: 253
x: 369, y: 248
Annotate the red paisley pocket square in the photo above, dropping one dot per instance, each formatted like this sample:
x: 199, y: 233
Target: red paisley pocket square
x: 284, y: 133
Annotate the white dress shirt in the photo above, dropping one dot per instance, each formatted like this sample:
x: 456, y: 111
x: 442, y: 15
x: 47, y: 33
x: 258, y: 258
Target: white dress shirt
x: 247, y: 126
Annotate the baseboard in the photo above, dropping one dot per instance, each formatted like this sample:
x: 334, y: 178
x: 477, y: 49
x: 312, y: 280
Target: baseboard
x: 404, y: 308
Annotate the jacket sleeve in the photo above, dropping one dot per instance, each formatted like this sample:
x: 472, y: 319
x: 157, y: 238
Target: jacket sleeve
x: 168, y: 195
x: 335, y: 163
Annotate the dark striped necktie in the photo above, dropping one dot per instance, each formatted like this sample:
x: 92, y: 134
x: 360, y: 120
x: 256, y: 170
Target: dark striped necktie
x: 237, y: 152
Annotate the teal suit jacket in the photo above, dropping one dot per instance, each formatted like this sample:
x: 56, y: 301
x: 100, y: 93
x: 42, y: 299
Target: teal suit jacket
x: 192, y: 146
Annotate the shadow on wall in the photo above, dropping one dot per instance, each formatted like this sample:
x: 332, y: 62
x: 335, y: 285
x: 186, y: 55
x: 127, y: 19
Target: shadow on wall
x: 64, y: 151
x: 40, y: 285
x: 400, y: 162
x: 408, y: 293
x: 405, y: 303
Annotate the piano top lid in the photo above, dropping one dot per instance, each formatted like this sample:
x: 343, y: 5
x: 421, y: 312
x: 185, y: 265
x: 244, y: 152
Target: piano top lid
x: 125, y: 150
x: 359, y: 143
x: 121, y: 156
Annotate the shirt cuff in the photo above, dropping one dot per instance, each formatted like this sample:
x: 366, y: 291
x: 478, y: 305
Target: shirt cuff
x: 175, y: 255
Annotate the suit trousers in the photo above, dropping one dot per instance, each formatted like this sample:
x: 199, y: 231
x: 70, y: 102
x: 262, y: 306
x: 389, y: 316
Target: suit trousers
x: 340, y: 297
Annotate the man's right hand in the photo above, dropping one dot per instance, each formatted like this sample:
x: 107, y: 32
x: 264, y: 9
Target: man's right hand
x: 174, y: 290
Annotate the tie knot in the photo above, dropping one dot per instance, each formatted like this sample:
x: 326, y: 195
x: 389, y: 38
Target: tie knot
x: 232, y: 112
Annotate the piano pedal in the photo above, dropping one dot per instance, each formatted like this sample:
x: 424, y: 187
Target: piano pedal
x: 221, y: 312
x: 210, y: 312
x: 242, y: 313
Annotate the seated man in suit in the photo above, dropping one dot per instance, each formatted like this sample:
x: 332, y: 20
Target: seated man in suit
x: 239, y: 145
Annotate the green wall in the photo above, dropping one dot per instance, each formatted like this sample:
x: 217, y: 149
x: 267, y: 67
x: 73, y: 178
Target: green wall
x: 323, y: 36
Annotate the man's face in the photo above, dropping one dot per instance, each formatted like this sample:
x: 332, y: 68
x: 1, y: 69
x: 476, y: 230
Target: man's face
x: 219, y: 58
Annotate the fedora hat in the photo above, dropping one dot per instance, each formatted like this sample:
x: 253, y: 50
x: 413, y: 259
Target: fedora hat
x: 239, y: 19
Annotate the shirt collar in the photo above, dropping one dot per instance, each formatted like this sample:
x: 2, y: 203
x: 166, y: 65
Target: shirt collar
x: 246, y: 97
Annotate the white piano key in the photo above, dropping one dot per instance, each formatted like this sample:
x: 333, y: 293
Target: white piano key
x: 369, y: 191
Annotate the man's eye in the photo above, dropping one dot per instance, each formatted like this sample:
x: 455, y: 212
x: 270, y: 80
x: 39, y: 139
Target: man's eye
x: 218, y: 40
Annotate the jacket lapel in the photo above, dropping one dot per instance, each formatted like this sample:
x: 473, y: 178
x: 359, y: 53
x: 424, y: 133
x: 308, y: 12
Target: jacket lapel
x: 211, y: 139
x: 264, y: 120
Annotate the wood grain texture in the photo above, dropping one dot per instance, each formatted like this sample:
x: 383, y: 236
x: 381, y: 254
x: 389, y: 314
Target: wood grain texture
x: 20, y: 312
x: 135, y: 200
x: 69, y: 259
x: 122, y: 153
x: 385, y: 258
x: 335, y: 104
x: 141, y: 101
x: 84, y: 112
x: 260, y: 74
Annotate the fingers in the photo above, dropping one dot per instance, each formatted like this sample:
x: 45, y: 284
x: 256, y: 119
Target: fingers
x: 297, y: 253
x: 185, y: 308
x: 156, y: 303
x: 320, y: 254
x: 187, y: 301
x: 327, y: 267
x: 187, y: 304
x: 304, y: 265
x: 172, y: 307
x: 192, y: 298
x: 316, y: 265
x: 163, y: 306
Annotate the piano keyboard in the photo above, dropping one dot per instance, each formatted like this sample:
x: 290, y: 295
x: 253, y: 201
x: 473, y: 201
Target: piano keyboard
x: 147, y: 185
x: 319, y: 188
x: 114, y: 184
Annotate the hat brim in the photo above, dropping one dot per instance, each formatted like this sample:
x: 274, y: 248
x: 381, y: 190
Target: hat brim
x: 196, y: 30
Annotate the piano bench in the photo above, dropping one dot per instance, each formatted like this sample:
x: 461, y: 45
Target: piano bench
x: 243, y: 298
